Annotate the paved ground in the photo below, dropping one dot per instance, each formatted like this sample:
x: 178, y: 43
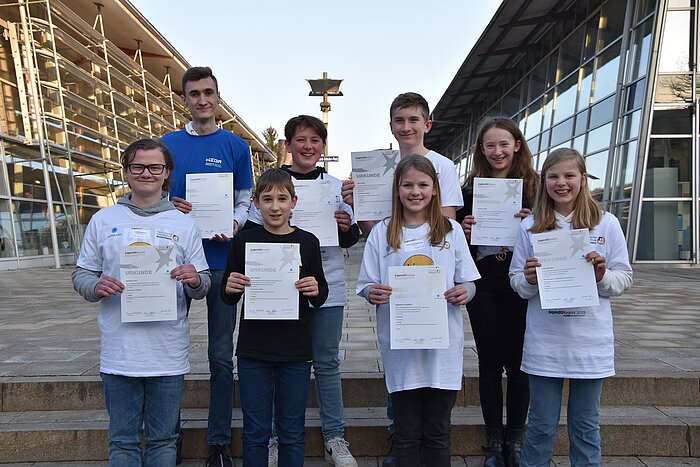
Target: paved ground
x: 47, y: 329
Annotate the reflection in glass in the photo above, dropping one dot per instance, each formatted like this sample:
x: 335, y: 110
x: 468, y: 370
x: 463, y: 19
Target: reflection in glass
x: 599, y: 138
x: 579, y: 144
x: 589, y: 42
x: 630, y: 126
x: 665, y: 232
x: 602, y: 112
x: 26, y: 176
x: 612, y: 21
x: 607, y: 66
x: 562, y: 132
x: 674, y: 88
x: 7, y: 244
x: 534, y: 119
x: 585, y: 76
x: 639, y: 51
x: 622, y: 212
x: 675, y: 43
x: 625, y: 170
x: 597, y: 167
x: 534, y: 144
x: 668, y: 168
x: 565, y: 104
x: 635, y: 95
x: 672, y: 121
x: 581, y: 122
x: 569, y: 54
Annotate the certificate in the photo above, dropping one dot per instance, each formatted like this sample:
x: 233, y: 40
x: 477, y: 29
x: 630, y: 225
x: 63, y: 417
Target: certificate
x: 150, y: 294
x: 273, y: 268
x: 318, y: 200
x: 373, y: 173
x: 418, y: 308
x: 565, y: 279
x: 496, y: 201
x: 211, y: 195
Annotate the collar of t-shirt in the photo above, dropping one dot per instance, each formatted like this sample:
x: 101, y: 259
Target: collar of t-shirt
x: 189, y: 128
x: 313, y: 175
x: 564, y: 219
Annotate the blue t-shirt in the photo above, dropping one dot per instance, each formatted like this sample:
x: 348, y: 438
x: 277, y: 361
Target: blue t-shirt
x: 221, y: 151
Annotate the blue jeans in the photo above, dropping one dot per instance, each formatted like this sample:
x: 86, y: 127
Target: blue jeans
x: 149, y: 402
x: 583, y: 416
x: 287, y: 383
x: 221, y: 321
x: 326, y: 331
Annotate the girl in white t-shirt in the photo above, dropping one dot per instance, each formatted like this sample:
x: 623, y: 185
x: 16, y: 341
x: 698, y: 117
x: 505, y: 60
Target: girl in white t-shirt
x: 423, y: 383
x: 143, y: 361
x: 573, y: 343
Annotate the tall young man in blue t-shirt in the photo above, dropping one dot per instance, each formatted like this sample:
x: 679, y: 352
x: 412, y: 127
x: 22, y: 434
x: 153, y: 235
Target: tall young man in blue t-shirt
x: 203, y: 147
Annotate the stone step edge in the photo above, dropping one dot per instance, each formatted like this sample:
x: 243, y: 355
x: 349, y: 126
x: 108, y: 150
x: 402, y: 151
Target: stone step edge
x: 359, y: 390
x: 626, y: 431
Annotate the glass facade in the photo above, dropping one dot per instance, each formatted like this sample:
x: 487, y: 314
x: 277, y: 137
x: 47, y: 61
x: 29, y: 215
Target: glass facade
x: 72, y: 99
x: 601, y: 88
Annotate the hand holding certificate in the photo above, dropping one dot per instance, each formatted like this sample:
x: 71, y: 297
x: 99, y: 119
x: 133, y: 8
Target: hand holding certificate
x: 496, y: 202
x: 418, y: 308
x: 565, y: 278
x: 373, y: 173
x: 273, y: 269
x: 150, y: 294
x: 211, y: 195
x: 318, y: 200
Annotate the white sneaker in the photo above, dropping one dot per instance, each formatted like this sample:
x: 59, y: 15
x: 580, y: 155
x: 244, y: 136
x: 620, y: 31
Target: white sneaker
x: 336, y: 452
x: 272, y: 452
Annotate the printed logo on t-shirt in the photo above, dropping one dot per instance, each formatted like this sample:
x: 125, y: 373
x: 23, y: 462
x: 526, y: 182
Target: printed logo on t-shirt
x: 419, y: 260
x: 167, y: 236
x: 213, y: 162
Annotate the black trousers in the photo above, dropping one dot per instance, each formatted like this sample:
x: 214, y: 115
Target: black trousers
x: 423, y: 426
x: 497, y: 316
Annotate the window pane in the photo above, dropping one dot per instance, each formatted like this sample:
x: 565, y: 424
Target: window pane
x: 581, y: 122
x: 630, y: 126
x: 607, y: 65
x: 94, y: 185
x: 672, y: 121
x: 579, y: 144
x: 625, y: 170
x: 596, y: 167
x: 570, y: 54
x: 585, y: 78
x: 675, y: 44
x: 599, y: 138
x: 565, y: 104
x: 639, y: 51
x: 622, y: 212
x: 612, y: 19
x: 32, y: 225
x: 665, y: 231
x: 538, y: 79
x: 589, y: 42
x: 668, y: 168
x: 534, y: 119
x: 602, y: 112
x: 635, y: 95
x: 644, y: 8
x: 562, y: 132
x: 534, y: 144
x: 674, y: 88
x: 24, y: 172
x: 7, y: 244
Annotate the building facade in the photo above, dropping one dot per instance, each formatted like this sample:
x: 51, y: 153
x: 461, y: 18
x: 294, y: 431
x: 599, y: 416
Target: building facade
x: 619, y: 81
x: 80, y: 81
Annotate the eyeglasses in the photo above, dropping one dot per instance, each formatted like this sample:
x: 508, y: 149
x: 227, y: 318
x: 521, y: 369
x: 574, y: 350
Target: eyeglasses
x: 154, y: 169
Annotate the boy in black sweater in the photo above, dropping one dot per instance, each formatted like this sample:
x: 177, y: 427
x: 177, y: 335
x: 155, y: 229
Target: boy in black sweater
x: 274, y: 356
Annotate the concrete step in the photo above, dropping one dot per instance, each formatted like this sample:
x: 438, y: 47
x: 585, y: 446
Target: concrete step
x: 20, y: 394
x: 81, y: 435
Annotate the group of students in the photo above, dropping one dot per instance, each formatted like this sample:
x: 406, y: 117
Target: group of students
x: 430, y: 218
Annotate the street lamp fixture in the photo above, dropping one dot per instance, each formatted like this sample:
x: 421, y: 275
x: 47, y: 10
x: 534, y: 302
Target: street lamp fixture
x: 325, y: 88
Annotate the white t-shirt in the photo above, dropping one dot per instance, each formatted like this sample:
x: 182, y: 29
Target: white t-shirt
x: 412, y: 369
x: 141, y: 349
x: 573, y: 342
x: 332, y: 256
x: 450, y: 190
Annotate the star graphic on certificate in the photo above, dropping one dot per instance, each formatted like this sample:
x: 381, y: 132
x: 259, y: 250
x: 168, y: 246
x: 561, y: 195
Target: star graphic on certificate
x: 512, y: 189
x: 389, y: 161
x: 578, y: 242
x: 163, y: 257
x: 326, y: 191
x: 289, y: 255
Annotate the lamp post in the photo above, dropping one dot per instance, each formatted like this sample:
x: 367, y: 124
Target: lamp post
x: 325, y: 87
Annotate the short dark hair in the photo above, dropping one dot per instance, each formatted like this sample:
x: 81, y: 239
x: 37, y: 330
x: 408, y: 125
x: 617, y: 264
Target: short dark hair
x: 305, y: 121
x: 146, y: 144
x: 273, y: 178
x: 410, y: 99
x: 196, y: 73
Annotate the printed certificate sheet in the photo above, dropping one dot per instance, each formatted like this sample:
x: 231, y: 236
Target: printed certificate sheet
x: 373, y: 173
x: 318, y: 200
x: 150, y: 294
x: 273, y: 268
x: 211, y: 195
x: 565, y: 279
x: 418, y: 308
x: 496, y: 201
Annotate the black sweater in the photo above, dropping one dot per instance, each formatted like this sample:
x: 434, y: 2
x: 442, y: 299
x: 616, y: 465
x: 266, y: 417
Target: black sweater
x: 277, y: 340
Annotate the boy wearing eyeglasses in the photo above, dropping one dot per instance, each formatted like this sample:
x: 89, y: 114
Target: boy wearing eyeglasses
x: 203, y: 147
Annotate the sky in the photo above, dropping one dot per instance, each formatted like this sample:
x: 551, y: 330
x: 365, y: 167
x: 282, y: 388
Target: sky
x: 263, y: 51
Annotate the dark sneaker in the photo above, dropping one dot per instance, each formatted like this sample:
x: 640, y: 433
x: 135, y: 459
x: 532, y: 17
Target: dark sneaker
x: 219, y: 456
